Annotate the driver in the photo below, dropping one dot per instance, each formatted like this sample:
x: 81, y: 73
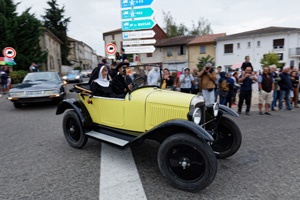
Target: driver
x: 119, y: 85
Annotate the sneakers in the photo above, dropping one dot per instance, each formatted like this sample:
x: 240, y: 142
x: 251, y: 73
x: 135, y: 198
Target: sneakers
x: 234, y: 104
x: 267, y: 113
x: 247, y: 113
x: 274, y: 109
x: 261, y: 113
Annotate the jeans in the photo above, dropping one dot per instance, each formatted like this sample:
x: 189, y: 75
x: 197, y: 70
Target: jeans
x: 208, y: 96
x: 274, y: 99
x: 216, y: 94
x: 286, y: 95
x: 222, y: 100
x: 245, y: 95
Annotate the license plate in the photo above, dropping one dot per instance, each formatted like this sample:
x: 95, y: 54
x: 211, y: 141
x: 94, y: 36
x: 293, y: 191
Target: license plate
x: 34, y: 93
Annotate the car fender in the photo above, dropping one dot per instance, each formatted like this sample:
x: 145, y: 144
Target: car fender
x: 78, y: 107
x: 164, y: 130
x: 226, y: 110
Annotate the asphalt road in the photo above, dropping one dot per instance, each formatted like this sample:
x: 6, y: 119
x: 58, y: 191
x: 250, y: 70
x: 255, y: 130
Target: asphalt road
x: 37, y: 163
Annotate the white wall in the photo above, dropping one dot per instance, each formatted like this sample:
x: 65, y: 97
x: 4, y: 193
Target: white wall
x: 256, y: 53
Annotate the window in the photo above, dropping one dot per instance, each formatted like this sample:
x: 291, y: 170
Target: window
x: 278, y: 44
x: 280, y: 55
x: 149, y: 55
x: 202, y: 49
x: 238, y: 45
x: 292, y: 63
x: 169, y: 52
x: 113, y: 36
x: 228, y: 48
x: 181, y: 50
x: 249, y: 44
x: 258, y: 43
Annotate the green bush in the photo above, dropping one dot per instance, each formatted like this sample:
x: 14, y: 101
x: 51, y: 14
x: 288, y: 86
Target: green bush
x: 17, y: 76
x: 78, y: 68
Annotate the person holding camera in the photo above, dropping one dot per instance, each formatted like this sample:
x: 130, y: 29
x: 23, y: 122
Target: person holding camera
x: 245, y: 80
x: 208, y: 77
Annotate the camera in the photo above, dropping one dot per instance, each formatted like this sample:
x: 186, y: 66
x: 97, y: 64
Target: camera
x: 207, y: 68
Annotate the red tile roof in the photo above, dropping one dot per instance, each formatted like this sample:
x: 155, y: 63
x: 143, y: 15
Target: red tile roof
x: 206, y: 38
x: 174, y: 41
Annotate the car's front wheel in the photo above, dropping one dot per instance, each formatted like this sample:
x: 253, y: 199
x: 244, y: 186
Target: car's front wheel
x: 187, y: 162
x: 73, y: 131
x: 228, y: 138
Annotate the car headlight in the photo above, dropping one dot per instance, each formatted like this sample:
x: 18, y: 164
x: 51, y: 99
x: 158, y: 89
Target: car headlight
x: 77, y: 77
x: 51, y: 92
x: 16, y: 94
x: 195, y: 115
x: 195, y: 100
x: 64, y: 77
x: 216, y: 109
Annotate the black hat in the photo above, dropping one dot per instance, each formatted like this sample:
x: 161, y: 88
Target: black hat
x: 120, y: 65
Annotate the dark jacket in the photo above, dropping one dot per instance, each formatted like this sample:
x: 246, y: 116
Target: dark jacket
x: 98, y: 90
x: 285, y: 83
x: 246, y: 64
x: 118, y: 84
x: 95, y: 74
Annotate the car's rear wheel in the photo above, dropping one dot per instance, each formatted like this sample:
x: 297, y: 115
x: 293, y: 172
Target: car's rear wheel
x: 187, y: 162
x: 73, y: 131
x: 228, y: 138
x: 17, y: 105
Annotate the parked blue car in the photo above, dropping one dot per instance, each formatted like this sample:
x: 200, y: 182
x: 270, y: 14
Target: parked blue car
x: 73, y: 76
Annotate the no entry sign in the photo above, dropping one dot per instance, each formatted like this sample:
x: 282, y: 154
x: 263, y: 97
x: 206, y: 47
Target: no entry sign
x: 9, y: 52
x: 111, y: 49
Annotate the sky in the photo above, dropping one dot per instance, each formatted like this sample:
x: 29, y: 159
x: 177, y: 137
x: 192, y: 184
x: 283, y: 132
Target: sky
x: 91, y: 18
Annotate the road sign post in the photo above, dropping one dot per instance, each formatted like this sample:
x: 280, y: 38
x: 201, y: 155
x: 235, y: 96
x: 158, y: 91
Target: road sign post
x: 137, y: 24
x: 135, y: 3
x: 138, y: 34
x: 139, y: 49
x: 137, y: 13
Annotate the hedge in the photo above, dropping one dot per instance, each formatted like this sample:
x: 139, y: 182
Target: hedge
x: 17, y: 76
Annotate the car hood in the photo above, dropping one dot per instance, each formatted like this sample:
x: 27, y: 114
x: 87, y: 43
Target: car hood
x: 171, y: 98
x: 35, y: 86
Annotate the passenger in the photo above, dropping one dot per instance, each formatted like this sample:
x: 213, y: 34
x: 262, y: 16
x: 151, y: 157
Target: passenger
x: 119, y: 86
x: 153, y: 76
x: 101, y: 86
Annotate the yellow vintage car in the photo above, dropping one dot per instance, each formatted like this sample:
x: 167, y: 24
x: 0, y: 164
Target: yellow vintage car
x: 191, y: 134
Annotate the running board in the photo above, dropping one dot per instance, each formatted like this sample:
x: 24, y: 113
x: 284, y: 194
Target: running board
x: 107, y: 138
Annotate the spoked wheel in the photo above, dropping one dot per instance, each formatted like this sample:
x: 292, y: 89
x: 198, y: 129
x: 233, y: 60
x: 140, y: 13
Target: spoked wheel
x: 73, y: 131
x: 187, y: 162
x: 228, y: 138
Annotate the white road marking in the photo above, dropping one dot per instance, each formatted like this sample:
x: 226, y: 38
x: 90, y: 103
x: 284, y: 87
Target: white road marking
x: 119, y: 178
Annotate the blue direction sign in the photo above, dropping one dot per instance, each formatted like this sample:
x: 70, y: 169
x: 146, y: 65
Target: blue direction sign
x: 137, y: 24
x: 137, y: 13
x: 135, y: 3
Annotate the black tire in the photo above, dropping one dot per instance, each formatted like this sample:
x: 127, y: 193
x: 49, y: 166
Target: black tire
x: 17, y: 105
x: 183, y: 149
x: 73, y: 131
x: 228, y: 138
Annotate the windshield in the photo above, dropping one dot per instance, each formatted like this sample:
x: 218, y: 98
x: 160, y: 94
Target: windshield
x: 144, y: 76
x: 41, y: 76
x: 73, y: 72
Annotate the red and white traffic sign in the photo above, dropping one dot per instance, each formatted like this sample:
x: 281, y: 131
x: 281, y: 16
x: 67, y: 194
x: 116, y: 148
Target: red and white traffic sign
x: 9, y: 52
x: 111, y: 48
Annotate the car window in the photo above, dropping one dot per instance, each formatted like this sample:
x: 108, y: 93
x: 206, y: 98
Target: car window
x: 41, y: 76
x: 73, y: 72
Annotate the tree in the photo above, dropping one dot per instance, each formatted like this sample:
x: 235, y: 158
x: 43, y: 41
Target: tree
x: 204, y: 60
x: 55, y: 21
x: 21, y: 33
x: 171, y: 28
x: 27, y: 38
x: 270, y: 59
x: 201, y: 28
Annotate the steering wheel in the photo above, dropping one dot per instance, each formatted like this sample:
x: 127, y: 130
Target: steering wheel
x: 138, y: 82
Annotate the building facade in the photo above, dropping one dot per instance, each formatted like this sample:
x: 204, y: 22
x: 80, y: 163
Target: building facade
x: 202, y: 46
x: 51, y: 44
x: 82, y: 55
x: 283, y: 41
x: 115, y: 37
